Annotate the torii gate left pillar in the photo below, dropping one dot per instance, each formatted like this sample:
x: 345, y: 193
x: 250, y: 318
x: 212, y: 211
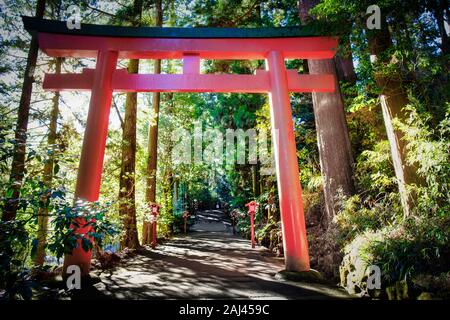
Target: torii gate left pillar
x: 93, y: 149
x: 162, y: 44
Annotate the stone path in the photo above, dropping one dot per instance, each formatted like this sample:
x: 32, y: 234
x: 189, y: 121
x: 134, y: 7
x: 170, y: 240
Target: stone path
x: 209, y: 263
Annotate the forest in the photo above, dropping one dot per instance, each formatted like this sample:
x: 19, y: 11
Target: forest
x: 373, y: 156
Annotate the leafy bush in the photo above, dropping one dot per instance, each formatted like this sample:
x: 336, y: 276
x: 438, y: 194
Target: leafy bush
x: 378, y: 202
x: 83, y: 224
x: 14, y: 249
x: 73, y: 225
x: 415, y: 244
x: 267, y: 234
x: 374, y: 172
x: 358, y: 216
x: 429, y: 151
x: 403, y: 255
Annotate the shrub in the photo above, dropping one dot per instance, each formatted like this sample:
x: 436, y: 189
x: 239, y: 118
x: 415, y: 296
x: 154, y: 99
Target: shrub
x: 412, y: 245
x: 17, y: 246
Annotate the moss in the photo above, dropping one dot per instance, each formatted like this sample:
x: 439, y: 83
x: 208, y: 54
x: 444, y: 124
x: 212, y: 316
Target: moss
x: 425, y: 296
x: 353, y: 269
x: 398, y: 291
x: 312, y: 276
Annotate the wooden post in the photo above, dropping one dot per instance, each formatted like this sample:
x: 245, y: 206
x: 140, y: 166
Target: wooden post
x: 93, y: 150
x: 290, y: 193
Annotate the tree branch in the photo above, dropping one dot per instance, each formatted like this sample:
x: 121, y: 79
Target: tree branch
x: 118, y: 112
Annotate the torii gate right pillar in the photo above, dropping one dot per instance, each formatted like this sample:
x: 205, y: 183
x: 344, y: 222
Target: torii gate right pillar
x: 295, y: 243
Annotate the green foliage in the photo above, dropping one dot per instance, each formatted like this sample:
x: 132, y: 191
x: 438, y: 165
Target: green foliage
x: 243, y: 222
x: 18, y: 244
x: 357, y: 217
x: 378, y: 203
x: 80, y: 224
x: 374, y: 172
x: 429, y: 151
x: 411, y: 245
x: 421, y: 247
x: 268, y: 234
x: 15, y: 247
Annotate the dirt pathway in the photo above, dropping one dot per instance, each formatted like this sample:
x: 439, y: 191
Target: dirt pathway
x: 209, y: 263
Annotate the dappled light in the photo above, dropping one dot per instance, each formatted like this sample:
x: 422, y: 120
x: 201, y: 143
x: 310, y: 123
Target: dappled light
x: 224, y: 150
x: 209, y: 263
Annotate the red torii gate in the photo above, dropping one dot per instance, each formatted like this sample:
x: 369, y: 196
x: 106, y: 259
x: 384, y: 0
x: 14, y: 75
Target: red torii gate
x: 108, y: 44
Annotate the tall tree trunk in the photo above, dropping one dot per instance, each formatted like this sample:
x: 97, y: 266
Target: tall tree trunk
x: 168, y: 183
x: 255, y: 180
x: 175, y: 190
x: 393, y: 99
x: 440, y: 11
x: 128, y: 168
x: 261, y: 185
x: 169, y: 201
x: 48, y: 174
x: 18, y: 163
x: 336, y: 160
x: 150, y: 191
x: 344, y: 64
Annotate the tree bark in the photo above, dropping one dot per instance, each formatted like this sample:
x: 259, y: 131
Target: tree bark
x: 167, y: 184
x: 335, y: 153
x: 150, y: 191
x: 344, y: 64
x: 127, y: 173
x: 48, y: 174
x: 255, y: 180
x: 169, y: 200
x: 18, y: 163
x: 336, y: 160
x: 393, y: 99
x: 128, y: 168
x: 440, y: 11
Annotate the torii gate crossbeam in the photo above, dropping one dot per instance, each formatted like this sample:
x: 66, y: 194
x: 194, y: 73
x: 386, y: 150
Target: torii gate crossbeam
x: 108, y: 44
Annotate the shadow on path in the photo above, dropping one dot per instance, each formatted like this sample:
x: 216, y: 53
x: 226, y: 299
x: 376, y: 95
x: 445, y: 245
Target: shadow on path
x: 210, y: 263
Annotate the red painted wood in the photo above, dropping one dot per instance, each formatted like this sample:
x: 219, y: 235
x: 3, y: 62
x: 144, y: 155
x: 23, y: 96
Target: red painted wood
x: 69, y: 81
x: 252, y: 228
x: 191, y: 64
x: 295, y: 243
x: 310, y: 82
x: 59, y: 45
x: 91, y: 160
x: 251, y: 211
x: 125, y: 82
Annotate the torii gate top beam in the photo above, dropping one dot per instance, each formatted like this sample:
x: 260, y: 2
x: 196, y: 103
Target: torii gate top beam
x: 189, y: 44
x: 56, y: 40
